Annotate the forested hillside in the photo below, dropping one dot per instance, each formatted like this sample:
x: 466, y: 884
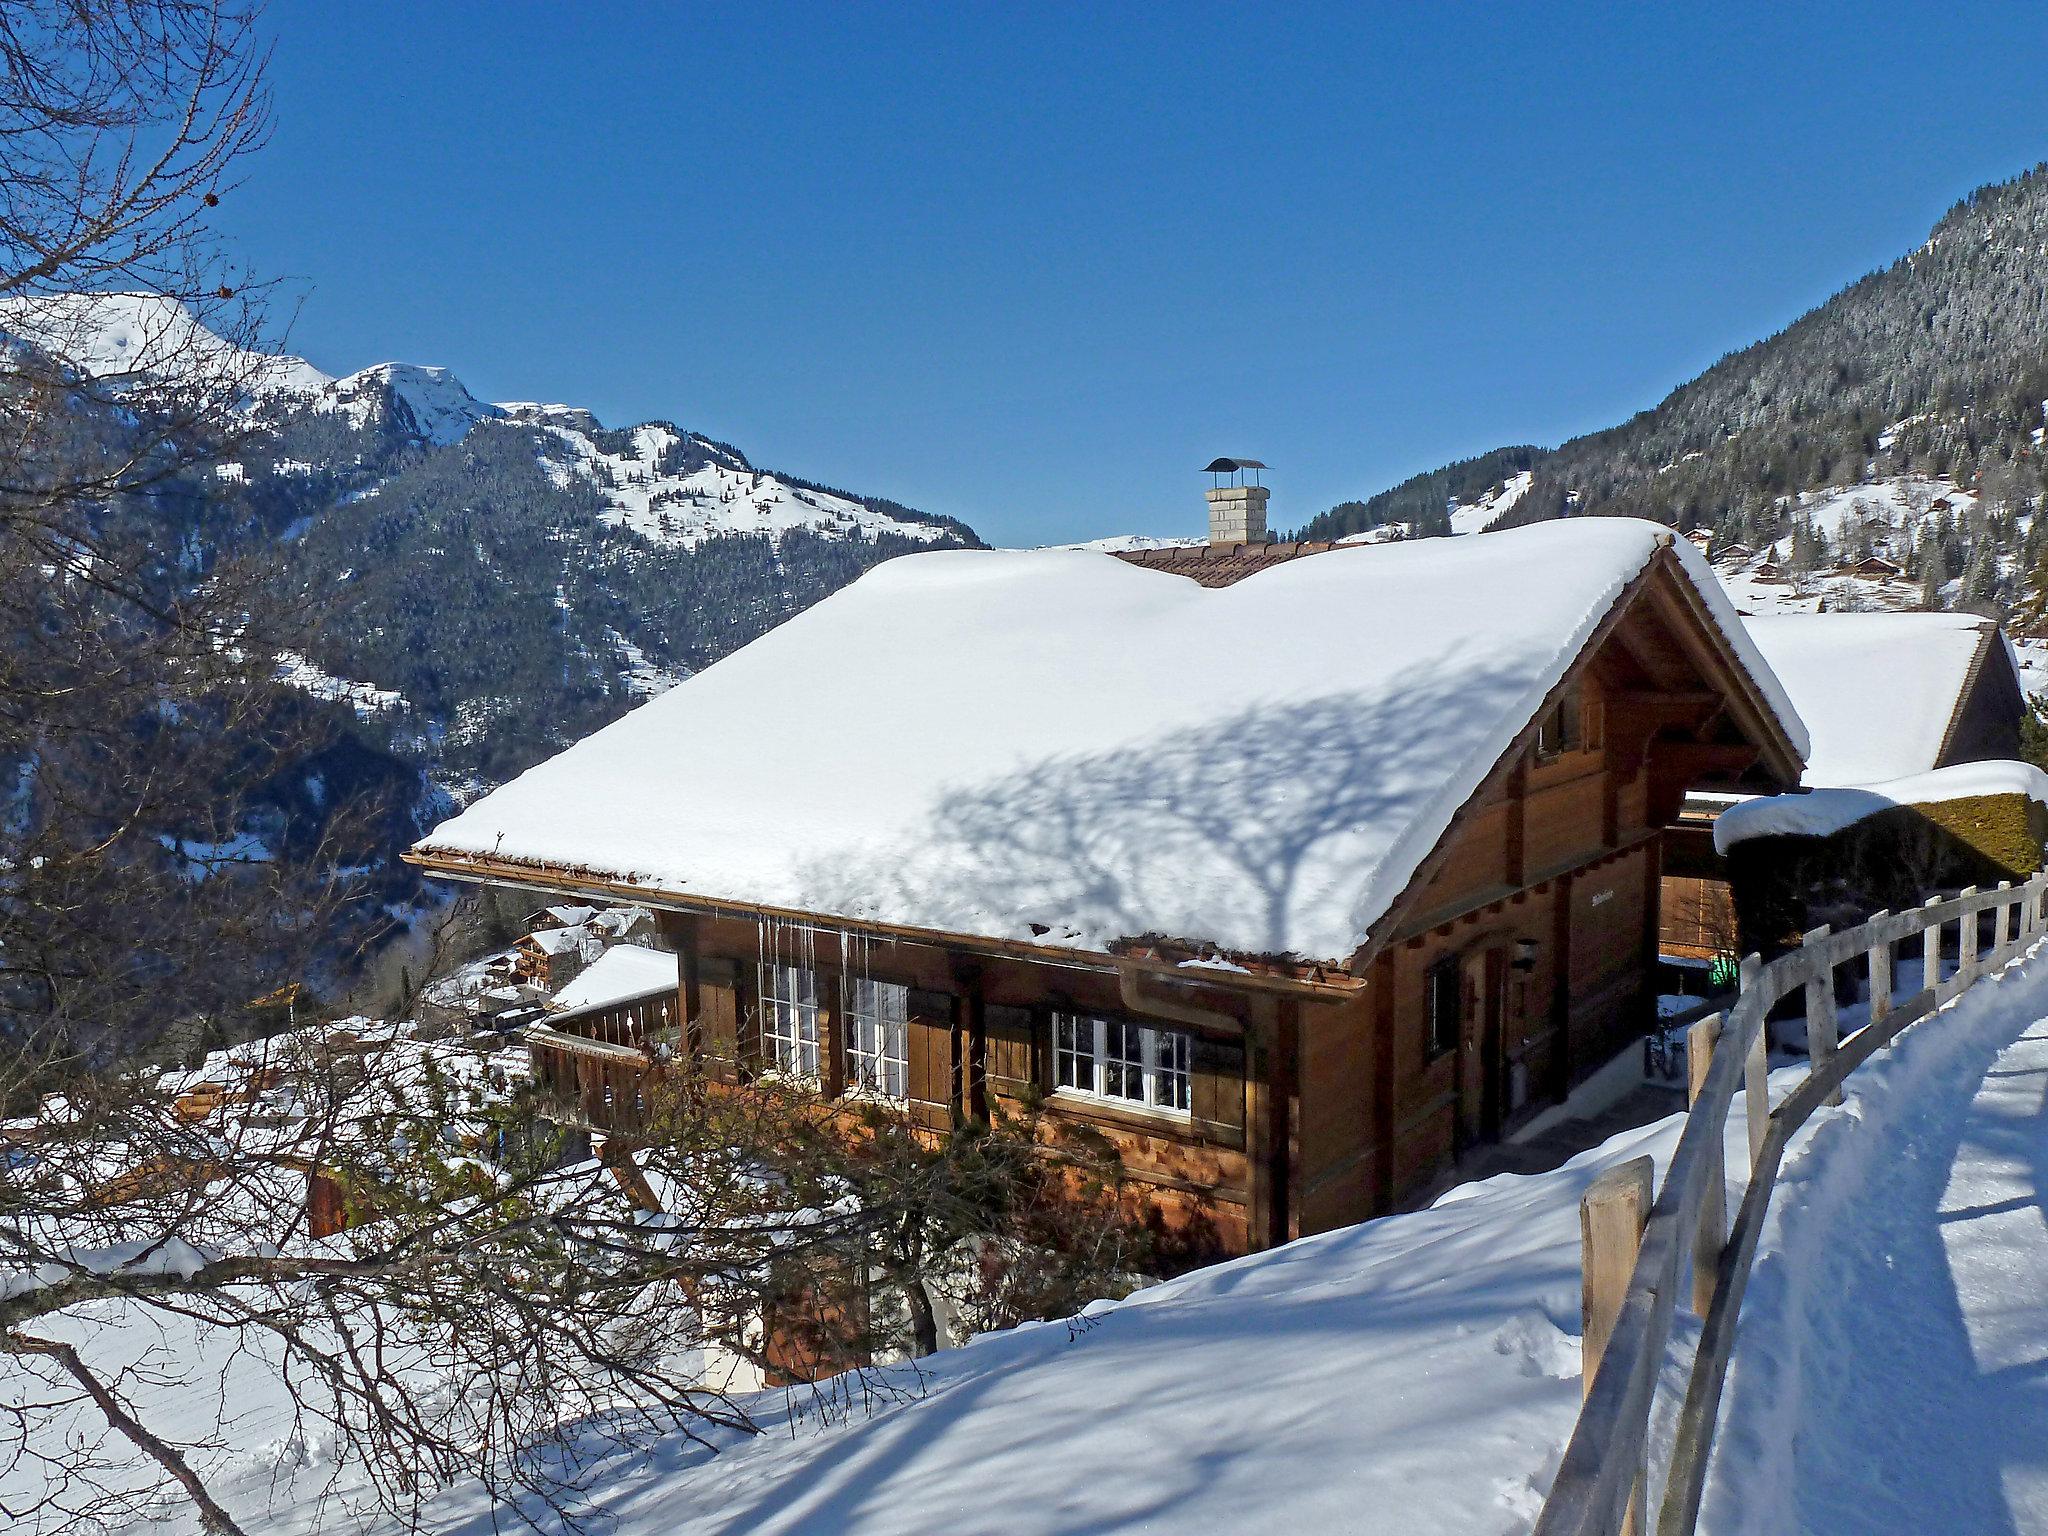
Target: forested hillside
x: 485, y: 584
x: 1934, y: 369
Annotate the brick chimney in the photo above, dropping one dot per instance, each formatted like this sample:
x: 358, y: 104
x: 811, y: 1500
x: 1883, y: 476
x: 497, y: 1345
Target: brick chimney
x: 1237, y: 511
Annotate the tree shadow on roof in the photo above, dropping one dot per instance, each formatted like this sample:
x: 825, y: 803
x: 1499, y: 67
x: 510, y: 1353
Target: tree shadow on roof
x: 1286, y: 828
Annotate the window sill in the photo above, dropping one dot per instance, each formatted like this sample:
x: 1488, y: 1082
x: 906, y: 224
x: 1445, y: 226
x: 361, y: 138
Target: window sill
x: 1101, y: 1105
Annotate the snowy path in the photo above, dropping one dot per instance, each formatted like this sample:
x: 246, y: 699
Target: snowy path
x: 1892, y: 1374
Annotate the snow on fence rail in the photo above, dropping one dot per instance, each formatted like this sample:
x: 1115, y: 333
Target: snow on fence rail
x: 1605, y: 1460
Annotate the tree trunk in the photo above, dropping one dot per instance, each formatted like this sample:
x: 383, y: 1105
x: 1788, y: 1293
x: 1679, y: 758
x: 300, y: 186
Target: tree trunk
x: 924, y: 1321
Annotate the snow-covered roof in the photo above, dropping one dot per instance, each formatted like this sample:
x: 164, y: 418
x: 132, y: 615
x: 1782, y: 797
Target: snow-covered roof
x: 558, y: 941
x: 619, y: 975
x: 1060, y: 747
x: 1877, y: 690
x: 1823, y: 812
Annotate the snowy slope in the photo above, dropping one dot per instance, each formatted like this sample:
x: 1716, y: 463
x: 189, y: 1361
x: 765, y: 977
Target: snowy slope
x: 1123, y: 749
x: 1479, y: 515
x: 428, y: 404
x: 672, y: 487
x: 113, y: 335
x: 1415, y: 1376
x: 1876, y: 690
x: 668, y: 486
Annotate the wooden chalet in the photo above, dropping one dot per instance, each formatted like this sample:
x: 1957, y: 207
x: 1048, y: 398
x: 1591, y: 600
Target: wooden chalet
x: 1291, y: 959
x: 1885, y: 696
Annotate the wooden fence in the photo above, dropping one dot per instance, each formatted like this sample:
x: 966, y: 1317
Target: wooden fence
x: 1596, y: 1490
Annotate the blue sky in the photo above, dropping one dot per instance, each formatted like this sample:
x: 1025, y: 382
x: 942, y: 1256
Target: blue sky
x: 1033, y: 266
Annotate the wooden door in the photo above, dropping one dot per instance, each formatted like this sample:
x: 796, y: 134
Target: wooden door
x: 1479, y: 1035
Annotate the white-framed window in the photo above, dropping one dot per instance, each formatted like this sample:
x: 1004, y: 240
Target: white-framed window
x: 789, y: 1020
x: 876, y: 1023
x: 1125, y: 1062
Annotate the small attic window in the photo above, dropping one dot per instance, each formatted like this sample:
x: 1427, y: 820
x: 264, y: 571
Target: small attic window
x: 1563, y: 729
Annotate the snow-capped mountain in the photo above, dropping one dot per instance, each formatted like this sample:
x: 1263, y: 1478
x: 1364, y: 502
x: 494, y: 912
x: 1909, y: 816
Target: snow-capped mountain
x: 494, y: 580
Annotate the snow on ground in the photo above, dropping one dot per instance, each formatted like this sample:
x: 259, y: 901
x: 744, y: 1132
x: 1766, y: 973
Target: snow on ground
x: 1889, y: 1376
x: 1881, y: 510
x: 1876, y: 690
x: 1479, y: 515
x: 1126, y: 543
x: 686, y: 506
x: 432, y: 403
x: 1823, y: 812
x: 109, y: 335
x: 643, y: 678
x: 1415, y: 1375
x: 307, y: 675
x: 1124, y: 746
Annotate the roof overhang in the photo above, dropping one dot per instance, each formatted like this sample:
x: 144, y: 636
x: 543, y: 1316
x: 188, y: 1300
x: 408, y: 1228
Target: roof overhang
x: 1331, y: 985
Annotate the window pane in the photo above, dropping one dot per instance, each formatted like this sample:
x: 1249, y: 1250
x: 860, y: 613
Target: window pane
x: 789, y: 1019
x: 876, y: 1020
x: 1074, y: 1055
x: 1170, y: 1053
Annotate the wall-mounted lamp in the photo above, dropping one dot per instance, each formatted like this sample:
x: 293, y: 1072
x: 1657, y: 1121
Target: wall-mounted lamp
x: 1525, y: 954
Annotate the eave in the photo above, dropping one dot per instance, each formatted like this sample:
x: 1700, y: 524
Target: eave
x: 1329, y: 985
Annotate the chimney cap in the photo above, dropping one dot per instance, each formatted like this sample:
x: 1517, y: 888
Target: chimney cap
x: 1230, y: 466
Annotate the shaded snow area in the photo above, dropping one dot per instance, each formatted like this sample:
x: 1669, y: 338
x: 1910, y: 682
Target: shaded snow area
x: 1876, y: 690
x: 1823, y: 812
x: 1889, y: 1376
x: 660, y: 488
x: 1259, y: 768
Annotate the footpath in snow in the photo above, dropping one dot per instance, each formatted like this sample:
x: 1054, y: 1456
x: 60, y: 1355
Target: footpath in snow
x: 1891, y: 1374
x: 1416, y: 1376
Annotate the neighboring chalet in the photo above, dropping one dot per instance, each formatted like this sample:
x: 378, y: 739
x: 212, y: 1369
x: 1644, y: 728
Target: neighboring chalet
x: 1885, y: 696
x: 1292, y: 886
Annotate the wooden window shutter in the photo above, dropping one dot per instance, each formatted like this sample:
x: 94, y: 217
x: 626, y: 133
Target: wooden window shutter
x: 1217, y: 1090
x: 720, y: 1006
x: 1011, y: 1067
x: 928, y: 1043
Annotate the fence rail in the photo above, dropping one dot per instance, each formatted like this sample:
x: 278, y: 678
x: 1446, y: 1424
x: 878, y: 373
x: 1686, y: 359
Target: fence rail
x: 1604, y: 1461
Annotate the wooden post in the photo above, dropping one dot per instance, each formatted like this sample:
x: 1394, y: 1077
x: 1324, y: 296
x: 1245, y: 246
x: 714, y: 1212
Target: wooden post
x: 1822, y: 1035
x: 1611, y: 1217
x: 1930, y: 953
x: 1966, y: 942
x: 1756, y: 1067
x: 1711, y: 1235
x: 1880, y: 974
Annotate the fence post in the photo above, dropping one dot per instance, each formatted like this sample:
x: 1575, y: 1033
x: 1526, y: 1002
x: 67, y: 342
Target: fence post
x: 1966, y: 945
x: 1821, y: 1033
x: 1880, y: 974
x: 1930, y: 953
x: 1756, y: 1066
x: 1611, y: 1217
x: 1711, y: 1235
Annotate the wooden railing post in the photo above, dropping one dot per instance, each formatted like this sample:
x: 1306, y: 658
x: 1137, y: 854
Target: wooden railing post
x: 1930, y: 953
x: 1822, y: 1036
x: 1756, y: 1066
x: 1611, y: 1217
x: 1880, y: 973
x: 1711, y: 1233
x: 1966, y: 951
